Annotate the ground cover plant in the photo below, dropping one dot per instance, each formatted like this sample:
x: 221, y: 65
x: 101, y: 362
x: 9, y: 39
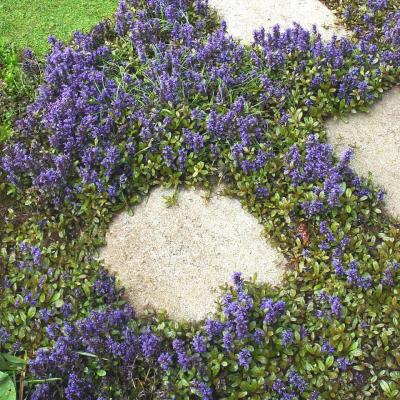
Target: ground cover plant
x: 162, y: 95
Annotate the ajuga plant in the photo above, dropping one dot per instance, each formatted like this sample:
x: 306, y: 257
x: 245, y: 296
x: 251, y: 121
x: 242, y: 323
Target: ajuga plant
x: 162, y: 95
x: 18, y: 78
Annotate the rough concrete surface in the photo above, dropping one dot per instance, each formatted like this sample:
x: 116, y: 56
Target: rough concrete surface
x: 375, y: 138
x: 243, y: 17
x: 175, y: 258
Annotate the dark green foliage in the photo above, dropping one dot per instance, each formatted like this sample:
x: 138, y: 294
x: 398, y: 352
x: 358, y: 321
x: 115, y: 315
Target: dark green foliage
x: 48, y: 252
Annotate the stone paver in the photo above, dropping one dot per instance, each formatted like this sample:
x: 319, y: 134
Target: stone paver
x: 176, y: 258
x: 243, y: 17
x: 375, y: 138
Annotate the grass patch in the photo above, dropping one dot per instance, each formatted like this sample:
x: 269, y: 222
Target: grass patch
x: 29, y: 22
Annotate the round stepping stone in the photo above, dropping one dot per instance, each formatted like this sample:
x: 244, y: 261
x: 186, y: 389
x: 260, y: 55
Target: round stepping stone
x: 243, y: 17
x: 176, y: 258
x: 375, y: 138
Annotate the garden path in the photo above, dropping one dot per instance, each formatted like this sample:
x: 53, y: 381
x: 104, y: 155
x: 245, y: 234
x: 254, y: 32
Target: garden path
x: 177, y: 257
x: 243, y: 17
x: 375, y: 138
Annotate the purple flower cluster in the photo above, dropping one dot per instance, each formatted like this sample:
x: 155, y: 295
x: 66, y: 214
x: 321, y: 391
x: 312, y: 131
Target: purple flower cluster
x: 354, y: 278
x: 390, y: 274
x: 105, y: 287
x: 4, y: 335
x: 296, y: 386
x: 87, y: 112
x: 326, y: 231
x: 203, y: 390
x: 388, y: 36
x: 79, y: 107
x: 327, y: 347
x: 336, y: 306
x: 199, y: 343
x: 391, y: 30
x: 193, y: 140
x: 34, y: 251
x: 287, y: 337
x: 280, y: 389
x: 165, y: 361
x: 30, y: 63
x: 213, y: 328
x: 43, y: 391
x: 318, y: 167
x: 104, y: 335
x: 183, y: 358
x: 277, y: 50
x: 334, y: 303
x: 297, y: 381
x: 149, y: 343
x: 115, y: 338
x: 274, y: 310
x: 237, y: 311
x: 262, y: 192
x: 244, y: 358
x: 343, y: 363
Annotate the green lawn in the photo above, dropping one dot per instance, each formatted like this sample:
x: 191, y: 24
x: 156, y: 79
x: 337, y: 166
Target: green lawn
x: 28, y: 23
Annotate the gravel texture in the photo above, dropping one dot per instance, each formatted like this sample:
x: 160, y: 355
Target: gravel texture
x: 176, y: 258
x: 375, y: 138
x: 243, y: 17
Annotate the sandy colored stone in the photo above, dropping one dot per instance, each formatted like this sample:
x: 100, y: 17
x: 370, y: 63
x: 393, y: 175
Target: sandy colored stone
x: 243, y: 17
x: 175, y: 258
x: 375, y: 138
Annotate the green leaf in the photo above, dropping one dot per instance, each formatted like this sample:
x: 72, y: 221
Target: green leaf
x: 329, y: 361
x: 356, y: 353
x: 353, y: 346
x: 215, y: 369
x: 84, y: 353
x: 7, y: 388
x: 42, y: 298
x: 59, y: 303
x: 13, y: 360
x: 101, y: 372
x: 385, y: 386
x: 31, y: 312
x: 56, y: 296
